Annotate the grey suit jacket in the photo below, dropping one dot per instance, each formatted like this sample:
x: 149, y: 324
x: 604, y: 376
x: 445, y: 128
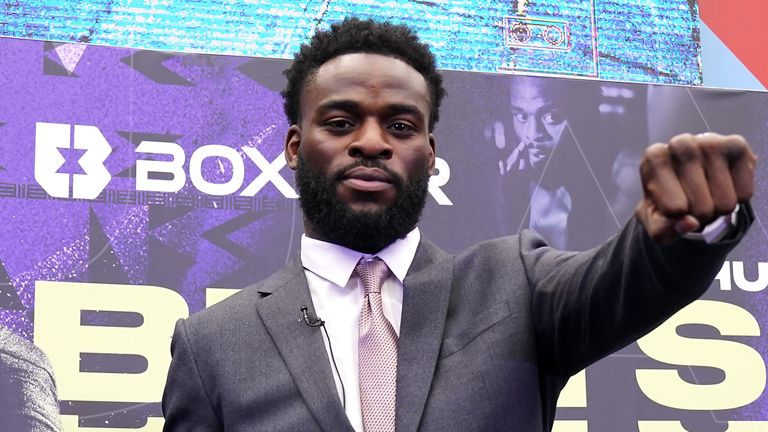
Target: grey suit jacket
x: 487, y: 339
x: 27, y: 387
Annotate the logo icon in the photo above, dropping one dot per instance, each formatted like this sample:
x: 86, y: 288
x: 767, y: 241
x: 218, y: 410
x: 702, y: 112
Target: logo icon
x: 49, y: 138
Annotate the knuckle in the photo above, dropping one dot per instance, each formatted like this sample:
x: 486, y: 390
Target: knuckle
x: 711, y: 148
x: 682, y: 137
x: 738, y: 140
x: 684, y: 150
x: 734, y: 151
x: 735, y: 148
x: 656, y: 154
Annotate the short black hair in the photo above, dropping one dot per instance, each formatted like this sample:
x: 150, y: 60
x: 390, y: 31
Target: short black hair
x: 354, y: 35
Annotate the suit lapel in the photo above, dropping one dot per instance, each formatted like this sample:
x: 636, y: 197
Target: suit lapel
x: 302, y: 347
x: 425, y: 304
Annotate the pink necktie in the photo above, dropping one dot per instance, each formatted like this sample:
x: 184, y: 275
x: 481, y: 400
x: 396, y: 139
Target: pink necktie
x: 377, y: 351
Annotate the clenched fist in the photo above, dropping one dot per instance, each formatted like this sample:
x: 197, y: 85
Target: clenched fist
x: 692, y: 180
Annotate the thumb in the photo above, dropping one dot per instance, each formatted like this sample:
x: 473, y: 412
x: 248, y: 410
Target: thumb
x: 686, y: 224
x: 661, y: 228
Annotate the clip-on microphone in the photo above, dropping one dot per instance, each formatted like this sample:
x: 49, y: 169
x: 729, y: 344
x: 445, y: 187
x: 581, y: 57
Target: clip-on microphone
x: 311, y: 320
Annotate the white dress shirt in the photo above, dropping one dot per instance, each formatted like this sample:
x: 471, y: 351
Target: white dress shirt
x: 337, y: 296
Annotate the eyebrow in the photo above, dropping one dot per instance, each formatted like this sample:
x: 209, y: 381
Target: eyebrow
x: 405, y: 109
x: 341, y: 105
x: 550, y: 107
x: 351, y: 106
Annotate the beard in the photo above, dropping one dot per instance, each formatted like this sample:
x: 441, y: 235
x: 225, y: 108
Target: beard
x: 362, y: 231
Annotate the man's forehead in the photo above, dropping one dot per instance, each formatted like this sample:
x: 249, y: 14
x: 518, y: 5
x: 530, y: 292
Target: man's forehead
x: 353, y: 73
x: 532, y: 95
x: 360, y: 67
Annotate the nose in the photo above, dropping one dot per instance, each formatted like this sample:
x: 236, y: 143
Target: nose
x: 370, y: 142
x: 535, y: 130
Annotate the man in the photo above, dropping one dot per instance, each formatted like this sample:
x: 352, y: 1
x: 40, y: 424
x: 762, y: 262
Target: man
x: 419, y: 339
x: 27, y: 387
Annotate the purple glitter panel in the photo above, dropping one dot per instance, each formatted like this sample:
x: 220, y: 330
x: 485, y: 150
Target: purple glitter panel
x: 133, y: 96
x: 755, y: 253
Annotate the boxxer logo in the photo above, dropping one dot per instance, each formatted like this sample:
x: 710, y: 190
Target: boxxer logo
x: 170, y: 174
x: 49, y: 138
x: 174, y: 168
x: 270, y: 171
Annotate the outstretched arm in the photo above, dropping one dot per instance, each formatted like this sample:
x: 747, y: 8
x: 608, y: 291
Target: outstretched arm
x: 590, y: 304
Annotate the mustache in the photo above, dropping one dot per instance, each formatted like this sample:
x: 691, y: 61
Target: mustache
x: 397, y: 180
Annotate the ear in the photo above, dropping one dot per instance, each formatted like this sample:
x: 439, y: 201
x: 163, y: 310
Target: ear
x: 432, y: 144
x: 292, y: 144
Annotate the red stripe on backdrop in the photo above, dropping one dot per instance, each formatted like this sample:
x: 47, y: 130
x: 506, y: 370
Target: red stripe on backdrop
x: 742, y: 26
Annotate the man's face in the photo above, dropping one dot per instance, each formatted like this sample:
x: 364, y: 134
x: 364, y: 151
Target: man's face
x: 537, y: 118
x: 362, y: 149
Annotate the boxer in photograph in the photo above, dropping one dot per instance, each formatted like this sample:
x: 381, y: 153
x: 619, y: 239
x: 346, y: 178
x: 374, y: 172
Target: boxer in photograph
x: 548, y: 179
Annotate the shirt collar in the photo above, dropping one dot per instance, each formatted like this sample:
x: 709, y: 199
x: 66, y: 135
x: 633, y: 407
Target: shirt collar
x: 336, y: 263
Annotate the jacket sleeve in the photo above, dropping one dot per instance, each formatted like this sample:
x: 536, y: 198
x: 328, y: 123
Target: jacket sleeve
x: 27, y: 387
x: 186, y: 404
x: 587, y: 305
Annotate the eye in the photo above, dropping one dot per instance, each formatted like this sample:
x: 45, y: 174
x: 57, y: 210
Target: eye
x: 520, y: 117
x: 402, y: 128
x: 552, y: 118
x: 339, y: 125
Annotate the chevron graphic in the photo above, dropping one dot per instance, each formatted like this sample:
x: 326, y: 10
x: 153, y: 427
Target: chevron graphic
x: 150, y: 64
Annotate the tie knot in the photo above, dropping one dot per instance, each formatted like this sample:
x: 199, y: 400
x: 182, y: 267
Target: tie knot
x: 372, y: 272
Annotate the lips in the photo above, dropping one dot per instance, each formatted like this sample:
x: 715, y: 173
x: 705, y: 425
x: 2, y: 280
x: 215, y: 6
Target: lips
x: 539, y: 151
x: 367, y: 179
x: 539, y: 147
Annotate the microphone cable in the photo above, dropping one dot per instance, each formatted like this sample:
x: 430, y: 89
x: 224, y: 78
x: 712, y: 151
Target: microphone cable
x: 315, y: 321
